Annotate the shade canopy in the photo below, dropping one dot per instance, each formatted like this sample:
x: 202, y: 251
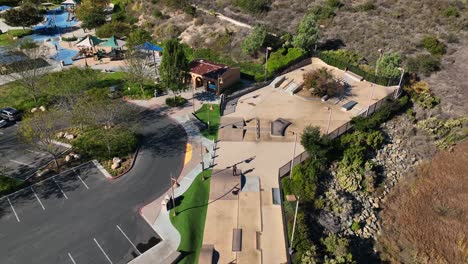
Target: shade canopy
x: 89, y: 42
x: 69, y: 2
x: 113, y: 42
x: 149, y: 46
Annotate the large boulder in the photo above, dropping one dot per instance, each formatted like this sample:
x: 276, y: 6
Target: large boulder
x: 116, y: 160
x: 115, y: 166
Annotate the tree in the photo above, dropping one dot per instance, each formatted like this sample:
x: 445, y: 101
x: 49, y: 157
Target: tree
x: 65, y: 87
x: 25, y: 16
x: 138, y: 71
x: 321, y: 82
x: 91, y: 13
x: 255, y: 40
x: 314, y: 143
x: 174, y: 66
x: 388, y: 64
x: 307, y: 32
x: 40, y: 131
x: 28, y: 73
x: 115, y: 28
x: 138, y: 37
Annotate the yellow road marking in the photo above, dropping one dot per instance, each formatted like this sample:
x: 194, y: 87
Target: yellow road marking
x: 188, y: 153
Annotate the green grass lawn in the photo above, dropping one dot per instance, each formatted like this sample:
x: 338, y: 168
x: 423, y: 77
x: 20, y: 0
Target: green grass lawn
x: 191, y: 215
x: 205, y: 114
x: 6, y: 40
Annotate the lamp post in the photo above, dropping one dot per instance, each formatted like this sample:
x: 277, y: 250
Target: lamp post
x: 294, y: 227
x: 377, y: 64
x: 173, y: 197
x: 400, y: 83
x: 293, y: 155
x: 266, y: 62
x: 329, y: 119
x: 370, y: 100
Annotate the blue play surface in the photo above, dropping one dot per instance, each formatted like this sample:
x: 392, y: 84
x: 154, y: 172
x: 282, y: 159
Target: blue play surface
x: 4, y: 7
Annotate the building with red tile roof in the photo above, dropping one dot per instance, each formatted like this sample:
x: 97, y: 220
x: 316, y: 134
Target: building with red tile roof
x: 214, y: 77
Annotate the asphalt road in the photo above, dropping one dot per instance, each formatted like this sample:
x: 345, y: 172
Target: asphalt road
x: 20, y: 160
x: 73, y: 217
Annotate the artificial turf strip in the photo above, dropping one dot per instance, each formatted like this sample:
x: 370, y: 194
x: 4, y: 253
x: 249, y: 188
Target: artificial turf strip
x: 202, y: 114
x: 190, y: 218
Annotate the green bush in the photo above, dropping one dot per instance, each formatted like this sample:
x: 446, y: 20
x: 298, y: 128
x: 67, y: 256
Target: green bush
x: 388, y: 64
x: 433, y: 45
x: 115, y: 28
x: 254, y: 41
x: 367, y: 6
x: 323, y: 12
x: 252, y: 6
x: 70, y: 39
x: 8, y: 185
x: 383, y: 114
x: 103, y: 144
x: 337, y: 247
x: 344, y: 55
x: 176, y: 101
x: 303, y: 182
x: 281, y: 58
x: 355, y: 226
x: 451, y: 11
x: 190, y: 10
x: 334, y: 3
x: 424, y: 64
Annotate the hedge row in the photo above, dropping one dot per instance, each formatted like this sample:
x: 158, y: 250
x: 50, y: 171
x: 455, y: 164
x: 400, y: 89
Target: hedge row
x: 344, y: 65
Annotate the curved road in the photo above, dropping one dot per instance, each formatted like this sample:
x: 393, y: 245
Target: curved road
x: 82, y: 227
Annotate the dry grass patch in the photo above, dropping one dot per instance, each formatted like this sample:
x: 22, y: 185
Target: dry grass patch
x: 426, y: 219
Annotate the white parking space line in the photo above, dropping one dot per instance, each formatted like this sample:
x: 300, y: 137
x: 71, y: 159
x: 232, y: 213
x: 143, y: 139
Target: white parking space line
x: 17, y: 218
x: 84, y: 183
x: 37, y: 197
x: 37, y: 152
x: 71, y: 258
x: 21, y: 163
x: 64, y: 194
x: 103, y: 252
x: 131, y: 243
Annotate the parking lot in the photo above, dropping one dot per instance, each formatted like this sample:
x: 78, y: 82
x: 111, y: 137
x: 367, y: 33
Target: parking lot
x: 20, y: 160
x: 73, y: 217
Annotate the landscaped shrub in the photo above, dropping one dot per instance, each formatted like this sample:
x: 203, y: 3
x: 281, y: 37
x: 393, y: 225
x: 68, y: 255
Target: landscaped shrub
x: 176, y: 101
x: 344, y: 55
x: 424, y: 64
x: 8, y: 184
x: 338, y: 248
x: 254, y: 41
x: 103, y: 144
x: 303, y: 181
x: 321, y: 82
x: 70, y: 39
x: 281, y: 58
x: 383, y: 114
x: 388, y: 64
x: 433, y: 45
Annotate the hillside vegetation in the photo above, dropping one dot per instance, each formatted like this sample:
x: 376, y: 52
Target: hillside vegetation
x: 425, y: 219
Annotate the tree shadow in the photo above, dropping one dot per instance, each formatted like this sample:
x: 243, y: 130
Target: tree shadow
x: 362, y: 250
x: 142, y: 247
x: 332, y: 44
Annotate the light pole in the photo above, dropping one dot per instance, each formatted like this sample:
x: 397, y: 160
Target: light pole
x: 293, y: 155
x: 294, y: 227
x: 377, y: 64
x: 266, y: 62
x: 401, y: 81
x: 370, y: 100
x: 173, y: 197
x: 329, y: 119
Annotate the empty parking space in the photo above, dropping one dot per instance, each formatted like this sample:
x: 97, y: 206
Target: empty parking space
x: 35, y: 208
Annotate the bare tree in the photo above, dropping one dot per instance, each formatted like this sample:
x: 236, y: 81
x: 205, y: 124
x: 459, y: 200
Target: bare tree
x: 138, y: 71
x: 40, y: 131
x: 27, y: 73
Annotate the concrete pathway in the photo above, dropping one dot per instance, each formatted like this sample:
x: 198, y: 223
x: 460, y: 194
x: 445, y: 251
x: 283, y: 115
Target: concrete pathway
x: 156, y: 213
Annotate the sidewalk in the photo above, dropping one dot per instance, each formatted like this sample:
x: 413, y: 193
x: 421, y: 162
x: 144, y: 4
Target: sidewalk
x: 156, y: 213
